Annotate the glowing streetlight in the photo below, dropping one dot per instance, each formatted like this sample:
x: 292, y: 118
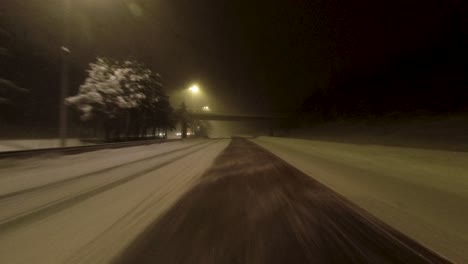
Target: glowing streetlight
x: 194, y: 88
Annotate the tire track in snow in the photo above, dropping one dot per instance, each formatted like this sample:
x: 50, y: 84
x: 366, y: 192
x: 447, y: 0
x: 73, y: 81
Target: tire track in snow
x: 51, y: 208
x: 61, y: 182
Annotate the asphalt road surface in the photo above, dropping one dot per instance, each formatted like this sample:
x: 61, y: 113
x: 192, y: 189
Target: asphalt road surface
x: 252, y: 207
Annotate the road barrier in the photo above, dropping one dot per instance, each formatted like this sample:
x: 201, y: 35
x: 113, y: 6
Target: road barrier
x: 80, y: 149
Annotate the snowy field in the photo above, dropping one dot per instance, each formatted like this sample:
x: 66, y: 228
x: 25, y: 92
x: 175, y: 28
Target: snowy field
x: 430, y: 132
x: 86, y: 208
x: 421, y: 192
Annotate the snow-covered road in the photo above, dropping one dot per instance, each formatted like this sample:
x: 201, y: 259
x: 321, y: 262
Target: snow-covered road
x: 88, y: 207
x: 421, y: 192
x: 252, y: 207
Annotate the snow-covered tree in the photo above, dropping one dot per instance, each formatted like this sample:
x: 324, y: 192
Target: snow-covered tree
x: 109, y: 90
x: 124, y: 95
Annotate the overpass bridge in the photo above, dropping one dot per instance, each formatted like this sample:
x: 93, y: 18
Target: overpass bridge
x: 216, y: 116
x: 271, y: 120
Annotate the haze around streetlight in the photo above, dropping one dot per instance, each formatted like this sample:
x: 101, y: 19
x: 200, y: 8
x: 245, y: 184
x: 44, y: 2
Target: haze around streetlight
x: 194, y: 88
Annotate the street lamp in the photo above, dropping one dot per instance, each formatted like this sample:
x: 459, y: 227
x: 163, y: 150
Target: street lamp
x: 64, y: 78
x: 193, y: 90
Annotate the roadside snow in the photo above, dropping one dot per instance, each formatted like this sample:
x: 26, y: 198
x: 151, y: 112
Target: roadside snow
x: 421, y: 192
x: 23, y: 144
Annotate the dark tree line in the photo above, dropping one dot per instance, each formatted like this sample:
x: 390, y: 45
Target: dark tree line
x: 11, y: 95
x: 430, y: 80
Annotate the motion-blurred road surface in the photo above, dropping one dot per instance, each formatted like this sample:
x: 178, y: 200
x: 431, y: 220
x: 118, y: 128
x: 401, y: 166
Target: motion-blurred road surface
x: 252, y: 207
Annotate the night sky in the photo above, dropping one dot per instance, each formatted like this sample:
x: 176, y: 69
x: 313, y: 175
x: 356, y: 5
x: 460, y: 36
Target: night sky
x: 247, y: 56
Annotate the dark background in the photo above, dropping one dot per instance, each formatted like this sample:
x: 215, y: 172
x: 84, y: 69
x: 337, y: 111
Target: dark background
x: 335, y: 57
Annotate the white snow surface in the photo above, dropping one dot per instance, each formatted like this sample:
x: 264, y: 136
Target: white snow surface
x: 20, y: 174
x: 70, y: 218
x: 420, y: 192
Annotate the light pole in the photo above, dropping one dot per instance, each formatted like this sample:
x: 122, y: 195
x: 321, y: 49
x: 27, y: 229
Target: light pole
x: 64, y: 78
x: 193, y: 90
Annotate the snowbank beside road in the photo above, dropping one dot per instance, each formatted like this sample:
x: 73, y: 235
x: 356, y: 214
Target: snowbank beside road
x: 26, y: 144
x: 421, y: 192
x: 428, y: 132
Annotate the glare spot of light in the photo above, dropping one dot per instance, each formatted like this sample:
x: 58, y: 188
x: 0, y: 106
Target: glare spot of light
x: 194, y: 88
